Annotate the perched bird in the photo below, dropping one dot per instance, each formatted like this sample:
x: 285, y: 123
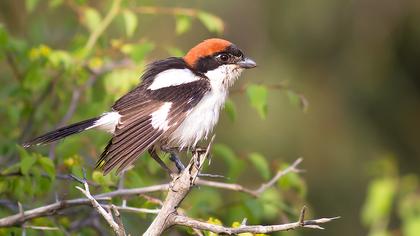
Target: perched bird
x: 176, y: 105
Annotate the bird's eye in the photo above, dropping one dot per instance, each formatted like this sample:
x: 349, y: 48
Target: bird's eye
x: 223, y: 57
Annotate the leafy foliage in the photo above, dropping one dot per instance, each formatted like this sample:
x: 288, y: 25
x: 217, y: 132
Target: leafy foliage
x: 49, y: 84
x: 388, y: 194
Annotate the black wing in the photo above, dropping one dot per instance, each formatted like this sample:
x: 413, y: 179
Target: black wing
x: 135, y: 133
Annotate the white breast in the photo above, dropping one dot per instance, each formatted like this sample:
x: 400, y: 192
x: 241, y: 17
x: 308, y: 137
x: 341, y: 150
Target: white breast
x: 201, y: 120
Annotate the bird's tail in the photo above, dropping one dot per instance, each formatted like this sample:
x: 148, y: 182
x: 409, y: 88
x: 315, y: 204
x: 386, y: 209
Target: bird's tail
x: 63, y: 132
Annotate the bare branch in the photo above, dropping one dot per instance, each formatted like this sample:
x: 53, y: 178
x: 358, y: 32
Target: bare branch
x: 106, y: 215
x: 255, y: 229
x: 256, y: 192
x: 179, y: 188
x: 54, y: 208
x: 133, y: 209
x: 45, y: 228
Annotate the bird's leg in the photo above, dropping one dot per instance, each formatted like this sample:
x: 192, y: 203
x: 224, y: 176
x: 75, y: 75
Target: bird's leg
x: 156, y: 157
x: 175, y: 159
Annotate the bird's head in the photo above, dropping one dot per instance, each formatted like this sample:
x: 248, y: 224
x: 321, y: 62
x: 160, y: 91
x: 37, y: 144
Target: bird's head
x: 219, y: 60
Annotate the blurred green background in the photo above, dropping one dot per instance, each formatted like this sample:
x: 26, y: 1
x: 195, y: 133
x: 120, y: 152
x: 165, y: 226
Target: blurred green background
x: 356, y: 63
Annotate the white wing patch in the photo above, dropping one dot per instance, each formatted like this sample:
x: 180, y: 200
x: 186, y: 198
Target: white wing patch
x: 160, y: 117
x: 107, y: 122
x: 173, y: 77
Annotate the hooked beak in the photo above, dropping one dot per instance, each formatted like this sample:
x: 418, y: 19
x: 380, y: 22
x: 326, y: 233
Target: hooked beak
x: 247, y: 63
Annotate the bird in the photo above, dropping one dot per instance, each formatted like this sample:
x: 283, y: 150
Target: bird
x: 175, y: 105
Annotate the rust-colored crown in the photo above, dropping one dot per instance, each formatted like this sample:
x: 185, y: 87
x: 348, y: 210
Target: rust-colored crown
x: 206, y: 48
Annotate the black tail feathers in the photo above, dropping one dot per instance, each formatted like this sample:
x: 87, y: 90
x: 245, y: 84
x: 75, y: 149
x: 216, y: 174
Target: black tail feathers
x: 62, y: 132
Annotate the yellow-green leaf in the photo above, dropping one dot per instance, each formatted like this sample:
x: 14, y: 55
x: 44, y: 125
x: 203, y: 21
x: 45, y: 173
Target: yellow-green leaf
x: 381, y: 194
x: 211, y: 22
x: 130, y: 20
x: 27, y: 161
x: 92, y: 18
x: 260, y: 164
x: 257, y: 95
x: 48, y: 166
x: 230, y: 109
x: 183, y: 24
x: 31, y: 4
x: 298, y: 100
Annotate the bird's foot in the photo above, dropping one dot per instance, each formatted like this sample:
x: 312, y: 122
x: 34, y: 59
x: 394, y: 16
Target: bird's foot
x: 175, y: 159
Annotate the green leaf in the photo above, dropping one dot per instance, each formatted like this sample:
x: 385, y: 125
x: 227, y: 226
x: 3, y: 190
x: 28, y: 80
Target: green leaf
x: 182, y: 24
x: 230, y: 109
x: 257, y: 95
x: 31, y: 4
x: 411, y: 227
x: 381, y: 194
x: 27, y: 161
x: 102, y: 180
x: 55, y: 3
x: 260, y: 164
x: 234, y: 164
x: 211, y: 22
x: 138, y: 52
x: 292, y: 181
x: 175, y: 52
x: 92, y: 18
x: 4, y: 37
x: 298, y: 100
x: 48, y: 166
x: 130, y: 20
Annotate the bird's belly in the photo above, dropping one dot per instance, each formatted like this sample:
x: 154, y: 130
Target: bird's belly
x: 200, y: 120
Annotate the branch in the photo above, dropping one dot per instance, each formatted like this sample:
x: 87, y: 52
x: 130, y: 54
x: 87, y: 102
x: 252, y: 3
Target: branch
x: 102, y: 27
x: 106, y: 215
x: 179, y: 188
x: 51, y: 209
x: 255, y: 229
x: 257, y: 192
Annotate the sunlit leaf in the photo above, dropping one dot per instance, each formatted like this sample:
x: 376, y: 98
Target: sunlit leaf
x: 272, y: 200
x: 293, y: 181
x: 48, y: 166
x: 211, y: 22
x: 381, y: 193
x: 4, y: 37
x: 260, y: 164
x: 411, y: 227
x: 137, y: 52
x: 55, y: 3
x: 230, y: 109
x: 298, y: 100
x: 130, y: 20
x: 234, y: 164
x: 26, y: 162
x: 31, y: 4
x: 182, y: 23
x: 175, y: 52
x: 257, y: 95
x: 92, y: 18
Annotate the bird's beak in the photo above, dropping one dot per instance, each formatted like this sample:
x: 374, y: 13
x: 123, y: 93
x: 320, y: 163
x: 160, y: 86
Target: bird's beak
x: 247, y: 63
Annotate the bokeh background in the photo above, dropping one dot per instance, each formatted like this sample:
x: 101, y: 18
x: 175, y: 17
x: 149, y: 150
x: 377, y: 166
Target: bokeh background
x: 342, y: 79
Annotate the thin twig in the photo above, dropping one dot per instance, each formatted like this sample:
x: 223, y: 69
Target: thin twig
x: 44, y: 228
x: 256, y: 229
x: 115, y: 7
x: 54, y: 208
x: 107, y: 216
x: 257, y: 192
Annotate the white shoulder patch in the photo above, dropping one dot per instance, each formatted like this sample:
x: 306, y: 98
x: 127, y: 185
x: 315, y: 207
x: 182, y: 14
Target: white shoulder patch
x: 173, y: 77
x: 160, y: 117
x: 108, y: 121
